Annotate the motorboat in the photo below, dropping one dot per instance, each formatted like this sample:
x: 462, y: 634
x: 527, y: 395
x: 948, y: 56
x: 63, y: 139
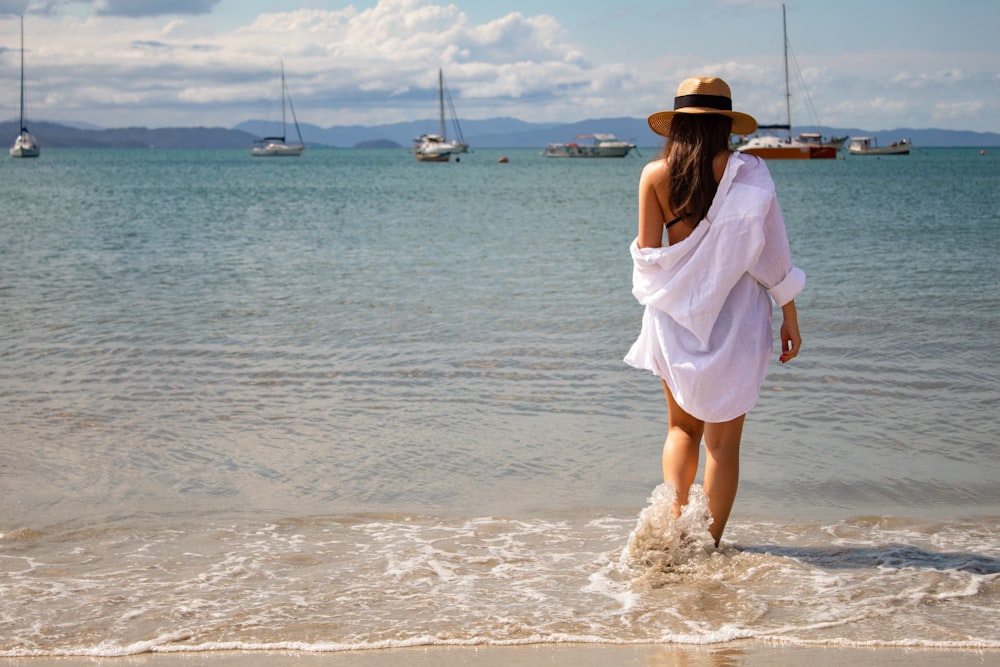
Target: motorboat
x: 869, y: 146
x: 600, y: 145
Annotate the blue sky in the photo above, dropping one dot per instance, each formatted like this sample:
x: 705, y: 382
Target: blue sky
x: 872, y: 65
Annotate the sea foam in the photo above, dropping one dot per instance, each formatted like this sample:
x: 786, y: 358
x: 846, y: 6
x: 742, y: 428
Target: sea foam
x: 660, y: 541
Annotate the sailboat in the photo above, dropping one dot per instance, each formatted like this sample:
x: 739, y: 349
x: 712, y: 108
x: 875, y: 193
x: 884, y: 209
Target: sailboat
x: 436, y: 147
x: 25, y: 144
x: 807, y: 146
x: 278, y: 146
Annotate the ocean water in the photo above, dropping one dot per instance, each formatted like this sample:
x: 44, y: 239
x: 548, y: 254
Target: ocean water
x: 352, y: 401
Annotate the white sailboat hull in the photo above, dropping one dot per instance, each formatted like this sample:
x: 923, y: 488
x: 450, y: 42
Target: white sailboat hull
x: 277, y: 150
x: 25, y: 146
x: 432, y: 148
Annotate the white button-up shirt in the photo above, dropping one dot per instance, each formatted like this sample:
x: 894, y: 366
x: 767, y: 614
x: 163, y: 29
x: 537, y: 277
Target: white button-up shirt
x: 706, y: 329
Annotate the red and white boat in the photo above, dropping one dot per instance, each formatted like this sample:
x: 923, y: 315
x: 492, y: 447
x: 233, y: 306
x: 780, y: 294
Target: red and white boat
x: 807, y: 146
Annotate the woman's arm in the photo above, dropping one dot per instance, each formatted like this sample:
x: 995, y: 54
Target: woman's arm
x: 791, y: 341
x: 651, y: 216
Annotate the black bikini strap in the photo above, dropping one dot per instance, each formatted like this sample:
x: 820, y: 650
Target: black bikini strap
x: 673, y: 222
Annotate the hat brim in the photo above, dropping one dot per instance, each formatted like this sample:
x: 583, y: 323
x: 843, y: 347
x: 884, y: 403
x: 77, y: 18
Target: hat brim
x: 743, y: 123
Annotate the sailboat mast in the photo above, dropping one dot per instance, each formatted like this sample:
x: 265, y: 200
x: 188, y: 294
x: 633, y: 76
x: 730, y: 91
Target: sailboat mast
x: 283, y: 94
x: 441, y: 102
x: 21, y: 119
x: 788, y: 94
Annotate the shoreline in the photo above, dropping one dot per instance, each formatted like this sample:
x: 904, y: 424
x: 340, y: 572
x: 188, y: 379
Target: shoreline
x: 730, y: 654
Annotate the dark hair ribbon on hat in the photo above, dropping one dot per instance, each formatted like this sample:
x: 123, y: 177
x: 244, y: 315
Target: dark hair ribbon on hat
x: 719, y: 102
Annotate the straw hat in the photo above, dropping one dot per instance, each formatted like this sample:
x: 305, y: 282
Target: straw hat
x: 703, y: 94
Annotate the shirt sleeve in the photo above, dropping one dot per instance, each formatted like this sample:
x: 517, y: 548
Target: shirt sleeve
x: 774, y: 269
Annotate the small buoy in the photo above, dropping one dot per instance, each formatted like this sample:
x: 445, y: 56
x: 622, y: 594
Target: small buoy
x: 503, y: 159
x: 982, y: 152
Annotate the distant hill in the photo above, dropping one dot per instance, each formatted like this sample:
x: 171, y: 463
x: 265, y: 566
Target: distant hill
x: 377, y: 143
x: 492, y: 133
x: 53, y: 135
x: 513, y: 133
x: 920, y: 138
x: 495, y: 131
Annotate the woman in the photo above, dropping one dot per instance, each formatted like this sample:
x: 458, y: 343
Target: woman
x: 710, y: 255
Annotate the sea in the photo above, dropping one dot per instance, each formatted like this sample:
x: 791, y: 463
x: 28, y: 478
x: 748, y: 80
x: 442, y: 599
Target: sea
x: 351, y: 401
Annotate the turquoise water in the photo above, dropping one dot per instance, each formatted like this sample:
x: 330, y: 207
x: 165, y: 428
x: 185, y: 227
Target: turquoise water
x: 350, y: 400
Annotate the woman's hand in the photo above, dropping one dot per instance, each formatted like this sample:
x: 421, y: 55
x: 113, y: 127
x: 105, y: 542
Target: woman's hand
x: 791, y: 341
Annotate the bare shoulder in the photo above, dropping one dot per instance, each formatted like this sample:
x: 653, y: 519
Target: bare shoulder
x: 655, y: 166
x: 654, y: 171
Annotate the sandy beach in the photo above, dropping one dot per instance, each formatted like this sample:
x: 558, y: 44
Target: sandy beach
x: 734, y: 654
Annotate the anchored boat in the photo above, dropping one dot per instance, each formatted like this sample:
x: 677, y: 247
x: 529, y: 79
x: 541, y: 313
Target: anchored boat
x: 278, y: 146
x: 25, y: 144
x: 807, y: 146
x: 436, y: 147
x: 869, y: 146
x: 601, y: 145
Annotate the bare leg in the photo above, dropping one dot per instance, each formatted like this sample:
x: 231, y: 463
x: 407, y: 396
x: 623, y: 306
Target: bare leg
x: 722, y: 471
x: 680, y: 451
x: 722, y: 463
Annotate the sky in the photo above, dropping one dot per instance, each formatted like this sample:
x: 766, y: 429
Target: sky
x: 862, y: 64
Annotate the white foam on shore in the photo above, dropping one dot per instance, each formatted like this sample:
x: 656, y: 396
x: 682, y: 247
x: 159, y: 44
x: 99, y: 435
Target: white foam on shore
x: 344, y: 583
x: 659, y: 542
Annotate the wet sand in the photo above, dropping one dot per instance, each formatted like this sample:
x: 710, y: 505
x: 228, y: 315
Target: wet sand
x: 733, y: 654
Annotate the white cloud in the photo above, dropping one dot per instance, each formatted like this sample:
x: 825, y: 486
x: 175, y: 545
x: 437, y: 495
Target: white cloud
x: 340, y: 64
x: 947, y: 112
x: 928, y: 79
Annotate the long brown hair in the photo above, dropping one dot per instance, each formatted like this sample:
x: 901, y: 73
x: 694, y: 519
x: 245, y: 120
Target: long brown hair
x: 695, y: 139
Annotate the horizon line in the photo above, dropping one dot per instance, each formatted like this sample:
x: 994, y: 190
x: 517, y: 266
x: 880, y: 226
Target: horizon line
x: 76, y: 125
